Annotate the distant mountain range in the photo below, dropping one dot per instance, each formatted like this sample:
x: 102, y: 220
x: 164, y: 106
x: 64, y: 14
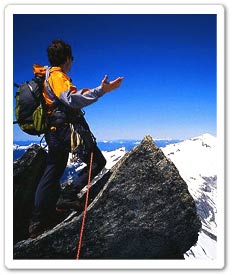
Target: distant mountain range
x: 105, y: 145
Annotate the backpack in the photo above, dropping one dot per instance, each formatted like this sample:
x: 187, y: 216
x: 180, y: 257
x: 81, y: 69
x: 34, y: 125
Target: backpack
x: 30, y: 107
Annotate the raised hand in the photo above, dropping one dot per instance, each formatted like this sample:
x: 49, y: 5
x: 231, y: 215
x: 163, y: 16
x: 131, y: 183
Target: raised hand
x: 112, y: 85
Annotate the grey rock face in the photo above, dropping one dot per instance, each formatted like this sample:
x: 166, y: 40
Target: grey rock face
x: 144, y: 211
x: 26, y: 174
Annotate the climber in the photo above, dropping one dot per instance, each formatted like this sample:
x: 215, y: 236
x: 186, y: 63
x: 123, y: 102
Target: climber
x: 63, y: 104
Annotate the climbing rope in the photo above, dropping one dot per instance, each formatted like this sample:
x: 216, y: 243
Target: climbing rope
x: 85, y: 209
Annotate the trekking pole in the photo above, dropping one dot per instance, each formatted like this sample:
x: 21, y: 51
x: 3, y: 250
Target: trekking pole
x: 85, y: 209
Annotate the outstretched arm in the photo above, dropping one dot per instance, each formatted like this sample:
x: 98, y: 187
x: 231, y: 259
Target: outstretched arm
x: 81, y: 98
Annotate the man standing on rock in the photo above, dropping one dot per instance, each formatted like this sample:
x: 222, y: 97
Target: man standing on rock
x: 63, y: 104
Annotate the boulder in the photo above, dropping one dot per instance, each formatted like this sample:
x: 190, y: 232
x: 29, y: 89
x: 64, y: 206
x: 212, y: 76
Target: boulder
x: 27, y: 171
x: 143, y: 211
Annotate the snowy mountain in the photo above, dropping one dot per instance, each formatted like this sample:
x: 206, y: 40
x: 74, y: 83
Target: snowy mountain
x: 196, y: 161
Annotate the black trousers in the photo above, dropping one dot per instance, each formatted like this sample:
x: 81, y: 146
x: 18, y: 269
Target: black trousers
x: 48, y: 189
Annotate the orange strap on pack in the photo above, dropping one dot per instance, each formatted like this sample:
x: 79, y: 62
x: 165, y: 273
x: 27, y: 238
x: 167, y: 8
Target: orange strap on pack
x: 85, y: 209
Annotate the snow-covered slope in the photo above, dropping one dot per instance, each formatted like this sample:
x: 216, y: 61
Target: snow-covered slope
x: 196, y: 161
x: 112, y: 157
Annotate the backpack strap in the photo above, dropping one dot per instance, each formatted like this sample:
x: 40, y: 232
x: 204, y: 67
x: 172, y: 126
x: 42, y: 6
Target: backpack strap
x: 49, y: 91
x: 55, y: 100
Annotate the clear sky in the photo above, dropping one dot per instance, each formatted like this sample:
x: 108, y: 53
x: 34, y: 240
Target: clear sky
x: 168, y: 62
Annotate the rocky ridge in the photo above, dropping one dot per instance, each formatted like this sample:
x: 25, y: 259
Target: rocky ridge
x: 141, y: 209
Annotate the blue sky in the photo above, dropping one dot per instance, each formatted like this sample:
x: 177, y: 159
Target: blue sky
x: 168, y: 62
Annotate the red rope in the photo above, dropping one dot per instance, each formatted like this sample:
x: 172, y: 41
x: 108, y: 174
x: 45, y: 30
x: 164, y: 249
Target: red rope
x: 85, y: 209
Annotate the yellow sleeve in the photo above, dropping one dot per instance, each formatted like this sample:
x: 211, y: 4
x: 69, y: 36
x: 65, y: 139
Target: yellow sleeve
x: 60, y: 83
x: 68, y: 94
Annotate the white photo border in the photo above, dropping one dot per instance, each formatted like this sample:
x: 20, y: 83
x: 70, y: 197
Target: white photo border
x: 10, y: 10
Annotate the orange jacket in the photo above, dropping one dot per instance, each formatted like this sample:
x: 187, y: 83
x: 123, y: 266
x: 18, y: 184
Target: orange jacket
x: 65, y: 91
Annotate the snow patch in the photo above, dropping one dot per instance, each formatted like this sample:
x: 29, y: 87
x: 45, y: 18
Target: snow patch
x: 197, y: 164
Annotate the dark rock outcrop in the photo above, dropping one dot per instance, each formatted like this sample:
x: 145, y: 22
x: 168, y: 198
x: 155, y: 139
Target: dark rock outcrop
x: 144, y: 211
x: 26, y: 174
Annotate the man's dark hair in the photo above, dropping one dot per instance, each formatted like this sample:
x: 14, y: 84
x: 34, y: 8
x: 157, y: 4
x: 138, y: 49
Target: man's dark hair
x: 58, y: 52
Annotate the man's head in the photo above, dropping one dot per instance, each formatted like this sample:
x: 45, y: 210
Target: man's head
x: 60, y: 54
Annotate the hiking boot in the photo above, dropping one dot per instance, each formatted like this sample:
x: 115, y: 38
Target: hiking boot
x: 63, y: 205
x: 37, y: 228
x: 68, y: 200
x: 68, y: 192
